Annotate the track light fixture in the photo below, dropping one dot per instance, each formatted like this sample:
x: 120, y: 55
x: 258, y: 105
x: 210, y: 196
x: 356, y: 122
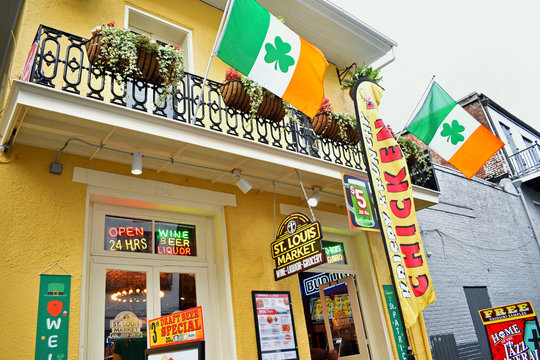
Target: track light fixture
x: 136, y: 163
x: 242, y: 183
x: 315, y: 196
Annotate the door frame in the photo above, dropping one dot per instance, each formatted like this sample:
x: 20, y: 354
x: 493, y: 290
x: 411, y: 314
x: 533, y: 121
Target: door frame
x: 356, y: 313
x: 96, y: 309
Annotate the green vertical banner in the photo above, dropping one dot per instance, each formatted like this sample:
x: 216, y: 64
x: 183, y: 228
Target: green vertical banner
x: 395, y: 320
x: 53, y: 317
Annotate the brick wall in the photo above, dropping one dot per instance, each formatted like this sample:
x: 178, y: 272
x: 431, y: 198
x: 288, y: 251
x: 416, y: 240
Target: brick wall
x: 478, y: 235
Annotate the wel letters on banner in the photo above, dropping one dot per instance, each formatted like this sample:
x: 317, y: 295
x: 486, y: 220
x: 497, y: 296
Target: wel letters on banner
x: 53, y: 317
x: 391, y: 184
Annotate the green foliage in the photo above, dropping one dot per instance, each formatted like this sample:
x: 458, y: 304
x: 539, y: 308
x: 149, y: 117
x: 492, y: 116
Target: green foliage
x: 256, y: 93
x: 361, y: 72
x: 414, y: 155
x: 344, y: 120
x: 119, y: 55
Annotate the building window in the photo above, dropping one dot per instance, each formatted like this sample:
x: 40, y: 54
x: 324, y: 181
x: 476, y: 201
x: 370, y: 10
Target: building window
x: 162, y: 31
x: 144, y: 264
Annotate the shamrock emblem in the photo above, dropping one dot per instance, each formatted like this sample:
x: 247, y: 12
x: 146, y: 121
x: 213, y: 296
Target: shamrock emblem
x: 452, y: 132
x: 278, y: 53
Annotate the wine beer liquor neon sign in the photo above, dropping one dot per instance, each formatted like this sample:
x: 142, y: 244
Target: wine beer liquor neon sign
x: 148, y: 236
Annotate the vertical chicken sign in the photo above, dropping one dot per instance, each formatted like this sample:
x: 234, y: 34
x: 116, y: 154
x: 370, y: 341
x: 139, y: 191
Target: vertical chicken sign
x: 393, y: 199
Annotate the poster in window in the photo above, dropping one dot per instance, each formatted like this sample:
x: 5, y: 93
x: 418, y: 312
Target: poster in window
x: 274, y: 325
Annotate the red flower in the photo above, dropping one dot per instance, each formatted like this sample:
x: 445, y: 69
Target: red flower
x: 326, y: 107
x: 111, y: 24
x: 231, y: 74
x: 176, y: 47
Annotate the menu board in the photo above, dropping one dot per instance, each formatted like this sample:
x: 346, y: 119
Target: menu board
x: 276, y: 337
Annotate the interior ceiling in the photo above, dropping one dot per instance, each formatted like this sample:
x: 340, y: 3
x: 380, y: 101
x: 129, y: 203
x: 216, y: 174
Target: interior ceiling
x: 342, y: 38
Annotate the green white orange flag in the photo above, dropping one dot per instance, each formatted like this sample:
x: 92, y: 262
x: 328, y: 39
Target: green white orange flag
x: 450, y: 131
x: 258, y: 45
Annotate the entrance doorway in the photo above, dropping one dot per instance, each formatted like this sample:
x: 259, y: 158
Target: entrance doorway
x: 146, y: 291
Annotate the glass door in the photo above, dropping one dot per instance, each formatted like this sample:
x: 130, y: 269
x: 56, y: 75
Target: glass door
x: 124, y: 297
x: 343, y: 319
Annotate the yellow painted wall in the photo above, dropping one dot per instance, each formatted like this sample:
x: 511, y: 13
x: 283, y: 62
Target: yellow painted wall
x: 43, y: 222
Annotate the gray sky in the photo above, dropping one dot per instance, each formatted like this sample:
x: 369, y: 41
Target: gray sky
x: 489, y: 47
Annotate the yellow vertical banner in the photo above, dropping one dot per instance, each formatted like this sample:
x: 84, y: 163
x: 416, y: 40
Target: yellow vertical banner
x: 392, y: 189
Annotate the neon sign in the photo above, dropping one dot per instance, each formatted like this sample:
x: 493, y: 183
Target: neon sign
x: 175, y: 239
x: 335, y: 252
x: 131, y: 235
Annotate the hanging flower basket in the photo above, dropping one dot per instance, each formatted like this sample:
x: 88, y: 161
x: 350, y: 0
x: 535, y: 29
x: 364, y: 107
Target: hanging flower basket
x: 324, y: 126
x: 335, y: 126
x: 235, y: 96
x: 352, y: 137
x: 124, y: 53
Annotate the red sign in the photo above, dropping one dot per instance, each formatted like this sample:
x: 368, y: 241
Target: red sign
x: 176, y: 328
x: 512, y: 331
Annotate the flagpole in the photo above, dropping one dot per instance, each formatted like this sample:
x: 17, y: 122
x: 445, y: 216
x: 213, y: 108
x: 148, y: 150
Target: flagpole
x: 217, y: 43
x: 416, y: 107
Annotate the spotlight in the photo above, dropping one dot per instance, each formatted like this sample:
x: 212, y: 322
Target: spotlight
x: 315, y: 196
x: 136, y: 163
x: 242, y: 183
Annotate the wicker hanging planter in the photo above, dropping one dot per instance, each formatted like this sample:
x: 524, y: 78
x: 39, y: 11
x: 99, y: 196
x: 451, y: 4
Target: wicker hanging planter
x: 324, y: 126
x: 147, y: 62
x: 93, y: 49
x: 236, y: 97
x: 352, y: 137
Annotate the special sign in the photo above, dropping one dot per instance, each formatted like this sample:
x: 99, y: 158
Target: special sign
x: 297, y: 246
x: 178, y: 327
x: 512, y: 331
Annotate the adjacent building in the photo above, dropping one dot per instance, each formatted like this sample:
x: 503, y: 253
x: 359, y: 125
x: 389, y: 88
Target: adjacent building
x: 481, y: 238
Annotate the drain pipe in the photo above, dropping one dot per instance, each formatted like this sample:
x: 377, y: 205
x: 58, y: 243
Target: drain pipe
x: 517, y: 184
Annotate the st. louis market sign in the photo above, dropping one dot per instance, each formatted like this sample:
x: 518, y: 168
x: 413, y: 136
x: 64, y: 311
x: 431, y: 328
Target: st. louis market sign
x: 297, y: 246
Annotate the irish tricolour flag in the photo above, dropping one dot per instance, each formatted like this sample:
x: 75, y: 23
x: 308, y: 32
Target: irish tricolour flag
x: 258, y: 45
x: 450, y: 131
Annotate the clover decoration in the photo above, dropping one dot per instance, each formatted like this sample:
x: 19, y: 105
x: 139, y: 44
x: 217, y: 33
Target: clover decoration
x: 452, y: 132
x: 278, y: 53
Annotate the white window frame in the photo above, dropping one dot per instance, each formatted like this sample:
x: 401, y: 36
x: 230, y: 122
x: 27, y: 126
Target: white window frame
x: 148, y: 195
x: 187, y: 47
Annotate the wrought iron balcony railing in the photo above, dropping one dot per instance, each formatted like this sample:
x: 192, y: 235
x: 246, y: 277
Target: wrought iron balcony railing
x: 526, y: 161
x: 61, y: 62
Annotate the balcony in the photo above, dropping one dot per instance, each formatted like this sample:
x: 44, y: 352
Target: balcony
x: 130, y: 116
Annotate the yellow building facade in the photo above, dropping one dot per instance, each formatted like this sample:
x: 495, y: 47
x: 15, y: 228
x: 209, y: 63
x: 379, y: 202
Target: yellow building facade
x: 67, y: 215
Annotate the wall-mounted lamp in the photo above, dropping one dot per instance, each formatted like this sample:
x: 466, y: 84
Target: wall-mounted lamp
x: 315, y: 196
x: 242, y: 183
x: 136, y: 163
